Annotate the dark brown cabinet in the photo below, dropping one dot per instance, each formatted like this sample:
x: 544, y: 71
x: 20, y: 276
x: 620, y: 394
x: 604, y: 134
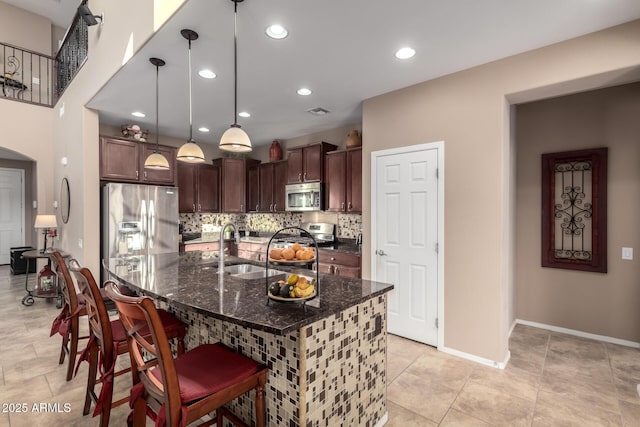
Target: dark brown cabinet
x: 233, y: 183
x: 122, y: 160
x: 266, y: 187
x: 343, y: 183
x: 306, y: 164
x: 199, y: 186
x: 339, y: 263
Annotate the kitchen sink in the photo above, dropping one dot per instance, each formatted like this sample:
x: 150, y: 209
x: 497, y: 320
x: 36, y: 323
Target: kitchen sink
x: 255, y: 239
x: 250, y: 271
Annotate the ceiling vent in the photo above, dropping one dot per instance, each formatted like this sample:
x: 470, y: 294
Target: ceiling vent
x: 318, y: 111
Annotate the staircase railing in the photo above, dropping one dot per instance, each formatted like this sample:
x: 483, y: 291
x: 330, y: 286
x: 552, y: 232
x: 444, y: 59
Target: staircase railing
x: 26, y: 75
x: 72, y: 53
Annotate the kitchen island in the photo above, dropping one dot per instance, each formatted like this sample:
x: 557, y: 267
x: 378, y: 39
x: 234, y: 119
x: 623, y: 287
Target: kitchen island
x: 327, y: 364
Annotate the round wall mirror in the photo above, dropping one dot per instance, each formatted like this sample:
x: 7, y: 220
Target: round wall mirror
x: 65, y: 200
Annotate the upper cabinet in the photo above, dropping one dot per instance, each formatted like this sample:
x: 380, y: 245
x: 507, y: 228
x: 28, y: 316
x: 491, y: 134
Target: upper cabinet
x: 122, y: 160
x: 199, y: 188
x: 306, y: 164
x: 343, y: 184
x: 233, y: 183
x: 266, y: 187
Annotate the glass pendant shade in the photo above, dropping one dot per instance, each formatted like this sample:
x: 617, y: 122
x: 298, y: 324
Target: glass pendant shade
x: 236, y: 140
x: 156, y: 160
x: 190, y: 152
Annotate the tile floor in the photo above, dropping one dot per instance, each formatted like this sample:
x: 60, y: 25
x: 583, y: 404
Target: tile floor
x: 551, y: 380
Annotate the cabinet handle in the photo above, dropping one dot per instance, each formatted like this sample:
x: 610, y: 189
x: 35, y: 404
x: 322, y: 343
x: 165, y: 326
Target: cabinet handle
x: 342, y: 206
x: 199, y: 207
x: 241, y: 207
x: 257, y: 208
x: 349, y: 206
x: 274, y: 207
x: 330, y: 269
x: 300, y: 177
x: 137, y: 174
x: 333, y: 259
x: 194, y: 207
x: 145, y: 174
x: 271, y: 207
x: 304, y: 178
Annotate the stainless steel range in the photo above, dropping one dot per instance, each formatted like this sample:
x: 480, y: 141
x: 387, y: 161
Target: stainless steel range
x: 322, y: 232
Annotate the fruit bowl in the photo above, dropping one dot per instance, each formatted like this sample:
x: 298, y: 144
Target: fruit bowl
x: 292, y: 261
x: 283, y: 299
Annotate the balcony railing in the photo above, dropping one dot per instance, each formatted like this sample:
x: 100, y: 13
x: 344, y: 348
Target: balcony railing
x: 35, y: 78
x: 26, y: 75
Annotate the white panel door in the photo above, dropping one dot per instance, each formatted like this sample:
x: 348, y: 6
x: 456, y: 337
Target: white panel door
x: 406, y: 222
x: 11, y: 211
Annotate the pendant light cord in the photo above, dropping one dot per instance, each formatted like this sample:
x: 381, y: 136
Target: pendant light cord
x: 235, y: 63
x: 157, y: 108
x: 190, y: 108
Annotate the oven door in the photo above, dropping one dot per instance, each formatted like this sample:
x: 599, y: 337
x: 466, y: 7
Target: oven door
x: 304, y: 197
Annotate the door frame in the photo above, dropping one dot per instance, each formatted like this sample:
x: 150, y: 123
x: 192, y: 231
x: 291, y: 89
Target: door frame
x: 22, y: 201
x: 439, y: 146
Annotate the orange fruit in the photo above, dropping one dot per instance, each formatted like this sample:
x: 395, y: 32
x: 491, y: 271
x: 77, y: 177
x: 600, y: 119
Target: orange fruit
x: 288, y: 254
x: 296, y: 247
x: 275, y: 253
x: 300, y: 254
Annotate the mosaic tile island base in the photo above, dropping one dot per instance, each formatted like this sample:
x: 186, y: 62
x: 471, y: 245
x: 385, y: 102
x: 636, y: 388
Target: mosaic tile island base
x: 327, y: 365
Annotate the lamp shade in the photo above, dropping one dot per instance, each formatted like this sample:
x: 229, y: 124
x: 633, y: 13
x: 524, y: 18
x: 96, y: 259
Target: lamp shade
x: 156, y: 161
x: 236, y: 140
x: 46, y: 221
x: 190, y: 152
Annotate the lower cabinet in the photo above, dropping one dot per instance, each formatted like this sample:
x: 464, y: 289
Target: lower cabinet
x: 252, y: 251
x: 209, y: 246
x: 340, y: 263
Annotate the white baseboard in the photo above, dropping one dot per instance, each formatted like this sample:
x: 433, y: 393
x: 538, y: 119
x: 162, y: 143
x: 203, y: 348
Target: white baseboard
x: 579, y: 333
x: 477, y: 359
x: 382, y: 421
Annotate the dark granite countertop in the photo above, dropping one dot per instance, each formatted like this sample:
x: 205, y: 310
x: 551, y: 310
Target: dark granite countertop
x: 191, y: 280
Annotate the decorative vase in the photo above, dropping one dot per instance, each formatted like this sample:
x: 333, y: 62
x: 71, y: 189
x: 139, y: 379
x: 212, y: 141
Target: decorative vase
x: 354, y: 139
x: 275, y: 152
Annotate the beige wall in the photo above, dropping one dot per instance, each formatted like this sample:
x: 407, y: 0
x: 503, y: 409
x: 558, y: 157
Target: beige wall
x: 24, y: 29
x: 468, y: 111
x: 605, y: 304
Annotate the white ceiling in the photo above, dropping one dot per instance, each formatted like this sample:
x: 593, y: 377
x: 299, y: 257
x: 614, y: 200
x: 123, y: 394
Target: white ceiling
x: 342, y: 50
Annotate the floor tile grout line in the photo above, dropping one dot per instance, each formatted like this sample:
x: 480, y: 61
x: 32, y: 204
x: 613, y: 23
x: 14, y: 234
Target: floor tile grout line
x: 544, y: 362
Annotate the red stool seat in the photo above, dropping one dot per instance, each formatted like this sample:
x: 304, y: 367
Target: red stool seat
x: 208, y: 369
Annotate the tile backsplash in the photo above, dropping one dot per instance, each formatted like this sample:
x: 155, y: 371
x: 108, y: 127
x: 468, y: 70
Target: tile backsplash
x: 348, y: 225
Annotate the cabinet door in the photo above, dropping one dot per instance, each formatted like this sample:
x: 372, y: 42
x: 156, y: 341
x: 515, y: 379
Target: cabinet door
x: 208, y: 189
x: 279, y: 183
x: 312, y: 170
x: 294, y: 166
x: 335, y: 166
x: 187, y: 187
x: 354, y: 180
x: 156, y: 176
x: 233, y: 186
x: 254, y: 189
x: 119, y: 160
x: 266, y: 187
x: 341, y: 270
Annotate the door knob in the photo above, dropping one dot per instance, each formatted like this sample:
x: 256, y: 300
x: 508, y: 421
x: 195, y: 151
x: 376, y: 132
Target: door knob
x: 380, y: 252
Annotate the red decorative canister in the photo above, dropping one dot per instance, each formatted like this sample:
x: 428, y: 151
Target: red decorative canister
x: 275, y: 152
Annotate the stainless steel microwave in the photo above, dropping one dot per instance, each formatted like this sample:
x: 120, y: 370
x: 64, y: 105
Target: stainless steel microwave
x: 304, y: 197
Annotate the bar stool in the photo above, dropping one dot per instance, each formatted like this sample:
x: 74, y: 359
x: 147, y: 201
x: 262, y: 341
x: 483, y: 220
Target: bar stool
x: 107, y: 341
x: 177, y: 392
x: 67, y: 322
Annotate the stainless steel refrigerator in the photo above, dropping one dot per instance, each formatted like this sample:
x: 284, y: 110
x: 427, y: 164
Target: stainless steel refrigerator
x: 138, y: 220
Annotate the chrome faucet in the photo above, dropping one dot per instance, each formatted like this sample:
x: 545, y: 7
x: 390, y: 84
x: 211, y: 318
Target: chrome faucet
x: 221, y: 249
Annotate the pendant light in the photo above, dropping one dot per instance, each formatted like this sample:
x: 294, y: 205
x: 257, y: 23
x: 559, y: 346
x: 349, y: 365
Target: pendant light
x: 190, y: 152
x: 156, y: 160
x: 235, y: 139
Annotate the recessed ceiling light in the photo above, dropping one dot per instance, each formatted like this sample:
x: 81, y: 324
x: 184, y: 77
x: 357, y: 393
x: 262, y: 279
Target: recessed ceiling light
x: 405, y: 53
x: 244, y: 114
x: 207, y: 74
x: 304, y: 91
x: 203, y: 129
x: 276, y: 31
x: 138, y: 114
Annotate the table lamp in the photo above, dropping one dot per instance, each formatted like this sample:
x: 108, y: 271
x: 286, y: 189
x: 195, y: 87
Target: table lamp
x: 46, y: 223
